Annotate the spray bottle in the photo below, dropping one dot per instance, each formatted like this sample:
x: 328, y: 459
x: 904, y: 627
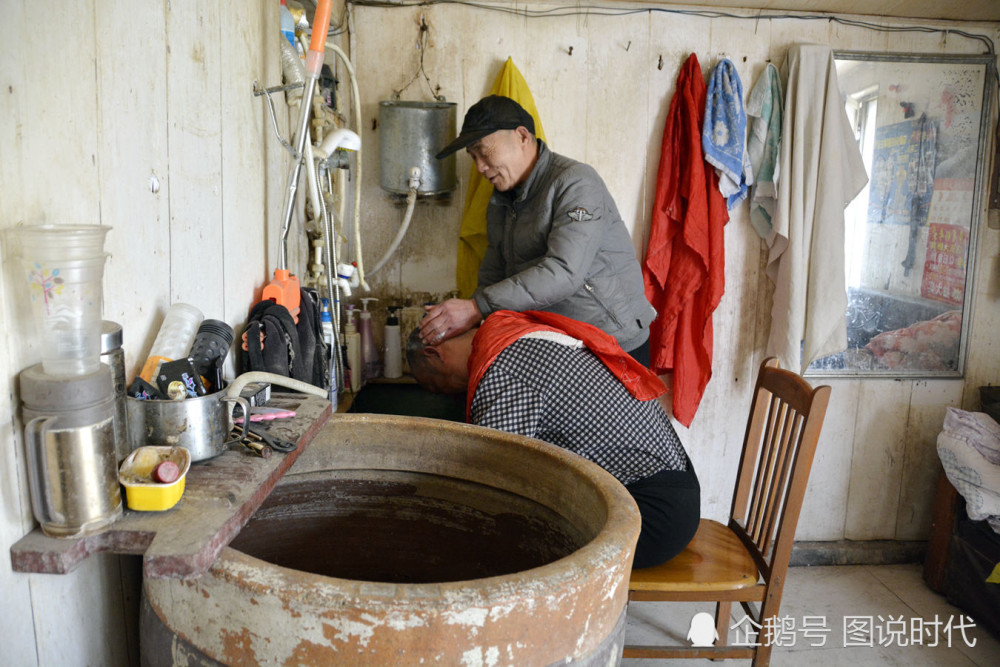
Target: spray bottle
x: 369, y: 353
x: 352, y: 379
x: 393, y: 345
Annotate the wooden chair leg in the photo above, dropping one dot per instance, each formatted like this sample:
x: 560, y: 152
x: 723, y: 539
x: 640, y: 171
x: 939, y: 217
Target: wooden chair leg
x: 762, y: 656
x: 722, y: 611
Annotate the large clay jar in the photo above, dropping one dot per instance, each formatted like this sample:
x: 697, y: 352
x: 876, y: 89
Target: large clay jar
x: 404, y: 540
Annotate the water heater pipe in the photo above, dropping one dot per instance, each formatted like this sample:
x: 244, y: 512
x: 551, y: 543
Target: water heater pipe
x: 411, y: 199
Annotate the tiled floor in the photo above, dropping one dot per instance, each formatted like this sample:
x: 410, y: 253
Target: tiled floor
x: 821, y: 597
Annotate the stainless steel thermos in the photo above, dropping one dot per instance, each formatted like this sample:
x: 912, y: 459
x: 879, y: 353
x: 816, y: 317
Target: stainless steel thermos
x: 113, y: 355
x: 69, y: 437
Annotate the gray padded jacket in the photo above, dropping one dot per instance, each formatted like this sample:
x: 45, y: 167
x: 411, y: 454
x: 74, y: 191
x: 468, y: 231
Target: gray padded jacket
x: 557, y: 243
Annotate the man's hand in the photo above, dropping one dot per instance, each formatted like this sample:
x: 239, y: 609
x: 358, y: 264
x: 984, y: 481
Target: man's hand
x: 448, y: 319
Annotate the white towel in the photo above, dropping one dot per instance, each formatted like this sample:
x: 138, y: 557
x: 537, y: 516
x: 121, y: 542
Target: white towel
x: 806, y: 259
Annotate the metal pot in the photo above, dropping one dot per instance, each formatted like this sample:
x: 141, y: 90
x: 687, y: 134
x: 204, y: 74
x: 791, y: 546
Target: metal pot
x: 201, y: 425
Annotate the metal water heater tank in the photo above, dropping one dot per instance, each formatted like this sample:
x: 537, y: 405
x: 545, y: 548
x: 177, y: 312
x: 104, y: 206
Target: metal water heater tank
x: 411, y: 133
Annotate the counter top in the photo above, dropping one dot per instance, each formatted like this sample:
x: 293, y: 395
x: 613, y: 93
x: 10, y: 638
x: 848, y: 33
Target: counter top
x: 220, y: 496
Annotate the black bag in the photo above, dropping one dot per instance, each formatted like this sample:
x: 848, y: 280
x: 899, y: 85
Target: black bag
x: 314, y: 348
x: 274, y: 343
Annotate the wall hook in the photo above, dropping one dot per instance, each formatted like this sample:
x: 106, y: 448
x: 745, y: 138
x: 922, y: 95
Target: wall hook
x: 659, y: 65
x: 629, y: 45
x: 570, y: 52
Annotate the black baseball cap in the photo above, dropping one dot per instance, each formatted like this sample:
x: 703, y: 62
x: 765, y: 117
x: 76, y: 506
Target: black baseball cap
x: 486, y: 117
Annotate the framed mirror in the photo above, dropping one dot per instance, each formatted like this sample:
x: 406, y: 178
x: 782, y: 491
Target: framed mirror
x: 922, y: 122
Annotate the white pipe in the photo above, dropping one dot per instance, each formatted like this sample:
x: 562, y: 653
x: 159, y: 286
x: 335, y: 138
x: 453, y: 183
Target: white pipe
x: 314, y: 193
x: 243, y: 380
x: 357, y: 176
x: 339, y: 138
x: 411, y: 199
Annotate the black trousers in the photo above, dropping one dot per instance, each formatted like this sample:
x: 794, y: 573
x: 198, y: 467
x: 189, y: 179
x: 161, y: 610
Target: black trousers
x: 670, y: 506
x: 641, y: 354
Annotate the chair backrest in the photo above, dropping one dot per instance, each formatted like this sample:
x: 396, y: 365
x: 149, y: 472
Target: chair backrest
x: 784, y: 425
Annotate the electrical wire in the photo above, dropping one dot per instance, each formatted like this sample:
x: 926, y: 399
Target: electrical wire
x: 600, y: 10
x: 422, y: 46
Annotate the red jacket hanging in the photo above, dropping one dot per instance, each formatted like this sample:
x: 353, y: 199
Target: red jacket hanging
x: 505, y: 326
x: 685, y: 259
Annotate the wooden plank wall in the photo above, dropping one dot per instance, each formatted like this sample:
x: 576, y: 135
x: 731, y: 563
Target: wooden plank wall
x: 140, y: 116
x: 603, y: 96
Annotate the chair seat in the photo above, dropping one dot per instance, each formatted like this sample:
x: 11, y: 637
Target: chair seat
x: 715, y: 560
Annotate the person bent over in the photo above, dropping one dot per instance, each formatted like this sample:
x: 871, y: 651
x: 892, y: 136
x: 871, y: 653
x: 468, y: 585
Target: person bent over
x: 568, y: 383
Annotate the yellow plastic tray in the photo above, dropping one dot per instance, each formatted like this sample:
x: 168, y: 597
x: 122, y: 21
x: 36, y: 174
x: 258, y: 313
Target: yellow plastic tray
x: 136, y: 475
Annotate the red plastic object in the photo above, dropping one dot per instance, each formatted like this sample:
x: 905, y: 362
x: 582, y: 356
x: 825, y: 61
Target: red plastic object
x: 284, y: 290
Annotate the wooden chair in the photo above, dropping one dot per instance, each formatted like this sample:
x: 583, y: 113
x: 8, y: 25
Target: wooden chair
x: 746, y: 560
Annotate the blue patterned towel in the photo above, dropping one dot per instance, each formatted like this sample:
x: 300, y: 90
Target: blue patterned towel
x: 723, y: 137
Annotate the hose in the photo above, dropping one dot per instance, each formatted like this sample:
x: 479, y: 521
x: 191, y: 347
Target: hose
x: 243, y: 380
x: 293, y: 72
x: 357, y: 177
x: 411, y: 200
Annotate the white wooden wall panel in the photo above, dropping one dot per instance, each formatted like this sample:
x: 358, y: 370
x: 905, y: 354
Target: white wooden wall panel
x: 194, y: 108
x: 132, y: 93
x: 16, y: 629
x: 984, y: 341
x: 57, y: 157
x: 276, y: 158
x: 877, y: 459
x: 79, y: 618
x: 825, y: 504
x: 921, y: 465
x: 245, y: 57
x: 607, y: 60
x: 133, y: 139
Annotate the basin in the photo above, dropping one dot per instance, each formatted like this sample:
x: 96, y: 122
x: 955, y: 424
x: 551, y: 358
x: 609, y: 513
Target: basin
x: 408, y: 399
x: 407, y: 540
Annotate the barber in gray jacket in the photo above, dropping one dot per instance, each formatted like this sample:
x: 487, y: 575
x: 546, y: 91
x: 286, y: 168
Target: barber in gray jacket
x: 556, y: 239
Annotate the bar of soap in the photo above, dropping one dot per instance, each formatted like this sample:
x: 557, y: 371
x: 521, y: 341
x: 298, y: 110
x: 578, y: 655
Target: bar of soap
x: 166, y: 472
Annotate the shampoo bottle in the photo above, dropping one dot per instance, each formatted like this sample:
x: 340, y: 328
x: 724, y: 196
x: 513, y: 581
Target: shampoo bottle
x: 352, y: 379
x: 393, y: 345
x: 369, y: 353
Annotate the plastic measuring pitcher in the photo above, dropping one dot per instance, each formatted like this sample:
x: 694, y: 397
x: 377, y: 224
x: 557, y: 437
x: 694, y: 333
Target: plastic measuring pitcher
x: 63, y: 267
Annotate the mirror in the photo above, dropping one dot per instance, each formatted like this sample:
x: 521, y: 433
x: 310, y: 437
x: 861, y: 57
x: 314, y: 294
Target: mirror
x: 910, y: 236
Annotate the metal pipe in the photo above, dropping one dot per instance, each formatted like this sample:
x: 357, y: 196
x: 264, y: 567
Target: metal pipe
x: 333, y: 291
x: 296, y: 169
x: 314, y: 65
